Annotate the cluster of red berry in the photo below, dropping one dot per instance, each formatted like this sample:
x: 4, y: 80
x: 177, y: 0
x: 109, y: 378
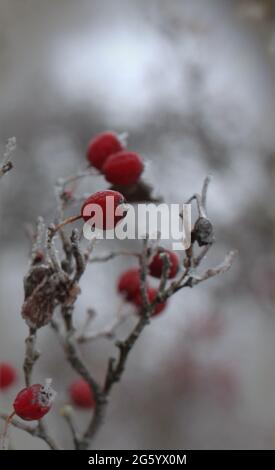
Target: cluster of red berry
x: 106, y: 152
x: 120, y: 167
x: 33, y: 402
x: 129, y: 282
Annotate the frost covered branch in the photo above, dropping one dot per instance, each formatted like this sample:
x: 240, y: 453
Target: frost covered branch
x: 35, y: 431
x: 52, y: 288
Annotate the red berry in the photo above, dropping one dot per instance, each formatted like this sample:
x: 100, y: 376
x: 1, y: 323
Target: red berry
x: 101, y: 147
x: 152, y: 293
x: 156, y: 265
x: 81, y: 394
x: 7, y: 375
x: 109, y: 202
x: 33, y: 402
x: 129, y: 283
x: 123, y: 168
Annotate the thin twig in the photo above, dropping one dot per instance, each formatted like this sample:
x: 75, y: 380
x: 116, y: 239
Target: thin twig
x: 79, y: 258
x: 166, y: 266
x: 35, y: 431
x: 31, y: 356
x: 143, y: 275
x: 67, y: 413
x: 219, y: 269
x: 78, y: 365
x: 74, y: 358
x: 106, y: 332
x: 201, y: 198
x: 112, y: 255
x: 116, y: 366
x: 201, y: 256
x: 205, y: 191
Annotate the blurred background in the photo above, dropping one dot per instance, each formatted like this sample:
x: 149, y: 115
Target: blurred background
x: 193, y: 85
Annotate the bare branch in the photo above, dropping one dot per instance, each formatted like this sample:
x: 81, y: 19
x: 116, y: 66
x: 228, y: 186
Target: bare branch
x: 204, y: 191
x: 116, y: 366
x: 31, y: 356
x: 77, y: 363
x: 67, y: 413
x: 201, y: 198
x: 201, y: 256
x: 35, y: 431
x: 143, y: 275
x: 220, y: 269
x: 112, y: 255
x: 106, y: 332
x: 79, y: 258
x: 51, y: 250
x: 90, y: 316
x: 165, y: 272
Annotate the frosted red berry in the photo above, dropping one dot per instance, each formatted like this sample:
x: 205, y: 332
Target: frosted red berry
x: 111, y: 204
x: 33, y: 402
x: 123, y: 168
x: 7, y: 375
x: 152, y: 293
x: 101, y: 147
x: 156, y: 265
x: 129, y: 283
x: 81, y: 394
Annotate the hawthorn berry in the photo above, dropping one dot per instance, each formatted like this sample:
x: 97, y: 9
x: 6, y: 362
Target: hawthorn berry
x: 123, y: 168
x: 81, y: 394
x: 7, y: 375
x: 33, y: 402
x: 152, y: 293
x: 129, y: 283
x: 111, y: 204
x: 156, y: 265
x: 101, y: 147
